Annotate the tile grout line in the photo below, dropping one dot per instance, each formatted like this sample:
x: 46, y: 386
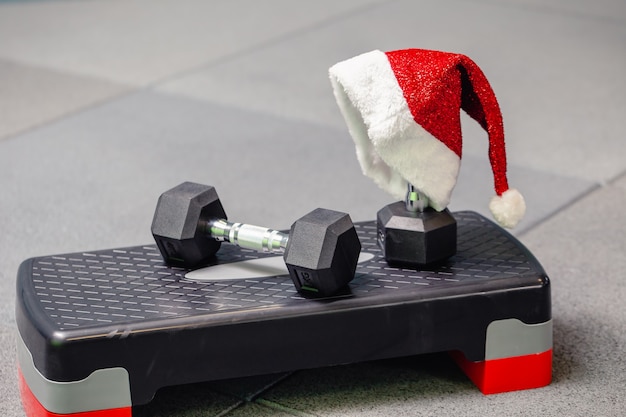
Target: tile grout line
x: 225, y: 412
x: 125, y: 90
x: 70, y: 113
x: 276, y: 406
x: 569, y: 203
x: 616, y: 178
x: 543, y: 9
x: 273, y: 41
x: 253, y: 398
x: 150, y: 86
x: 268, y: 386
x: 593, y: 188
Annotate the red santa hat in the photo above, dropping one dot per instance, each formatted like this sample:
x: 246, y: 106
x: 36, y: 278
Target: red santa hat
x: 402, y: 109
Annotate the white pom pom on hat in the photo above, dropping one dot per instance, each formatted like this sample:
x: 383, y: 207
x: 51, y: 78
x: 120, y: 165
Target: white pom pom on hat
x: 402, y: 109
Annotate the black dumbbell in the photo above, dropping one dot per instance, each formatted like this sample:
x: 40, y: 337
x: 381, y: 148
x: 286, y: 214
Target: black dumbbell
x: 321, y: 251
x: 411, y: 234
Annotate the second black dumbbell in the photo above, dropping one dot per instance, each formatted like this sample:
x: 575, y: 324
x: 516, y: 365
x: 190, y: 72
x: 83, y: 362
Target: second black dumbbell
x: 321, y: 251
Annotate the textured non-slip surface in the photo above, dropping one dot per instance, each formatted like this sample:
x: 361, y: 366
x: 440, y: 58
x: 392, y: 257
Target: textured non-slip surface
x: 132, y: 285
x: 106, y: 104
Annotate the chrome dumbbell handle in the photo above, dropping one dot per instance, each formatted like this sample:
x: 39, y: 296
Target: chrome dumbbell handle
x: 260, y: 239
x: 415, y: 200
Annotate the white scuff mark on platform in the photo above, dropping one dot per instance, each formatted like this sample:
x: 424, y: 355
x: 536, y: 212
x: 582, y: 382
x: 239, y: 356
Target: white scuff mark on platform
x: 253, y: 268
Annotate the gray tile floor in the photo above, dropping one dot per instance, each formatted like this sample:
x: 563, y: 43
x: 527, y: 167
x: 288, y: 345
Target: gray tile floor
x: 104, y: 104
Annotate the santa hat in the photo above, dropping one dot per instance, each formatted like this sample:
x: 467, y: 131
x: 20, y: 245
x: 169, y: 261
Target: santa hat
x: 403, y: 112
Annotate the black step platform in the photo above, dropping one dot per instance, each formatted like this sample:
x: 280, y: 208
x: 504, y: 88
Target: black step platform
x: 102, y: 331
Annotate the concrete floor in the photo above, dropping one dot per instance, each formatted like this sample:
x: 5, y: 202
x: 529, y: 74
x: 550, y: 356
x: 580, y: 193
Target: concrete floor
x: 104, y: 104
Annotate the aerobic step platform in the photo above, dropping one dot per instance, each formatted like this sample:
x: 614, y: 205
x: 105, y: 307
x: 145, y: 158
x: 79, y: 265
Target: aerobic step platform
x: 102, y: 331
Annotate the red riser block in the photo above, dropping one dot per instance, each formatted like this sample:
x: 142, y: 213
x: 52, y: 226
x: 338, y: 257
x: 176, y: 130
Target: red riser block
x: 33, y: 407
x: 508, y: 374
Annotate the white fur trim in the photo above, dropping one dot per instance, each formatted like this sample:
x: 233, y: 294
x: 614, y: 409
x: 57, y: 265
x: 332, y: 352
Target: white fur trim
x: 509, y: 208
x: 391, y: 147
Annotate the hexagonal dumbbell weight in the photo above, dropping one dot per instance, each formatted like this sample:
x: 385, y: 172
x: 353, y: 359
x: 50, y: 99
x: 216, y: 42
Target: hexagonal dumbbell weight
x: 411, y: 234
x: 321, y: 251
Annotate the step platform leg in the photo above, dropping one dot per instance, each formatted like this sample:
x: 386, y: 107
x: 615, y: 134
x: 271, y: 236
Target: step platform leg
x: 517, y: 357
x: 104, y: 393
